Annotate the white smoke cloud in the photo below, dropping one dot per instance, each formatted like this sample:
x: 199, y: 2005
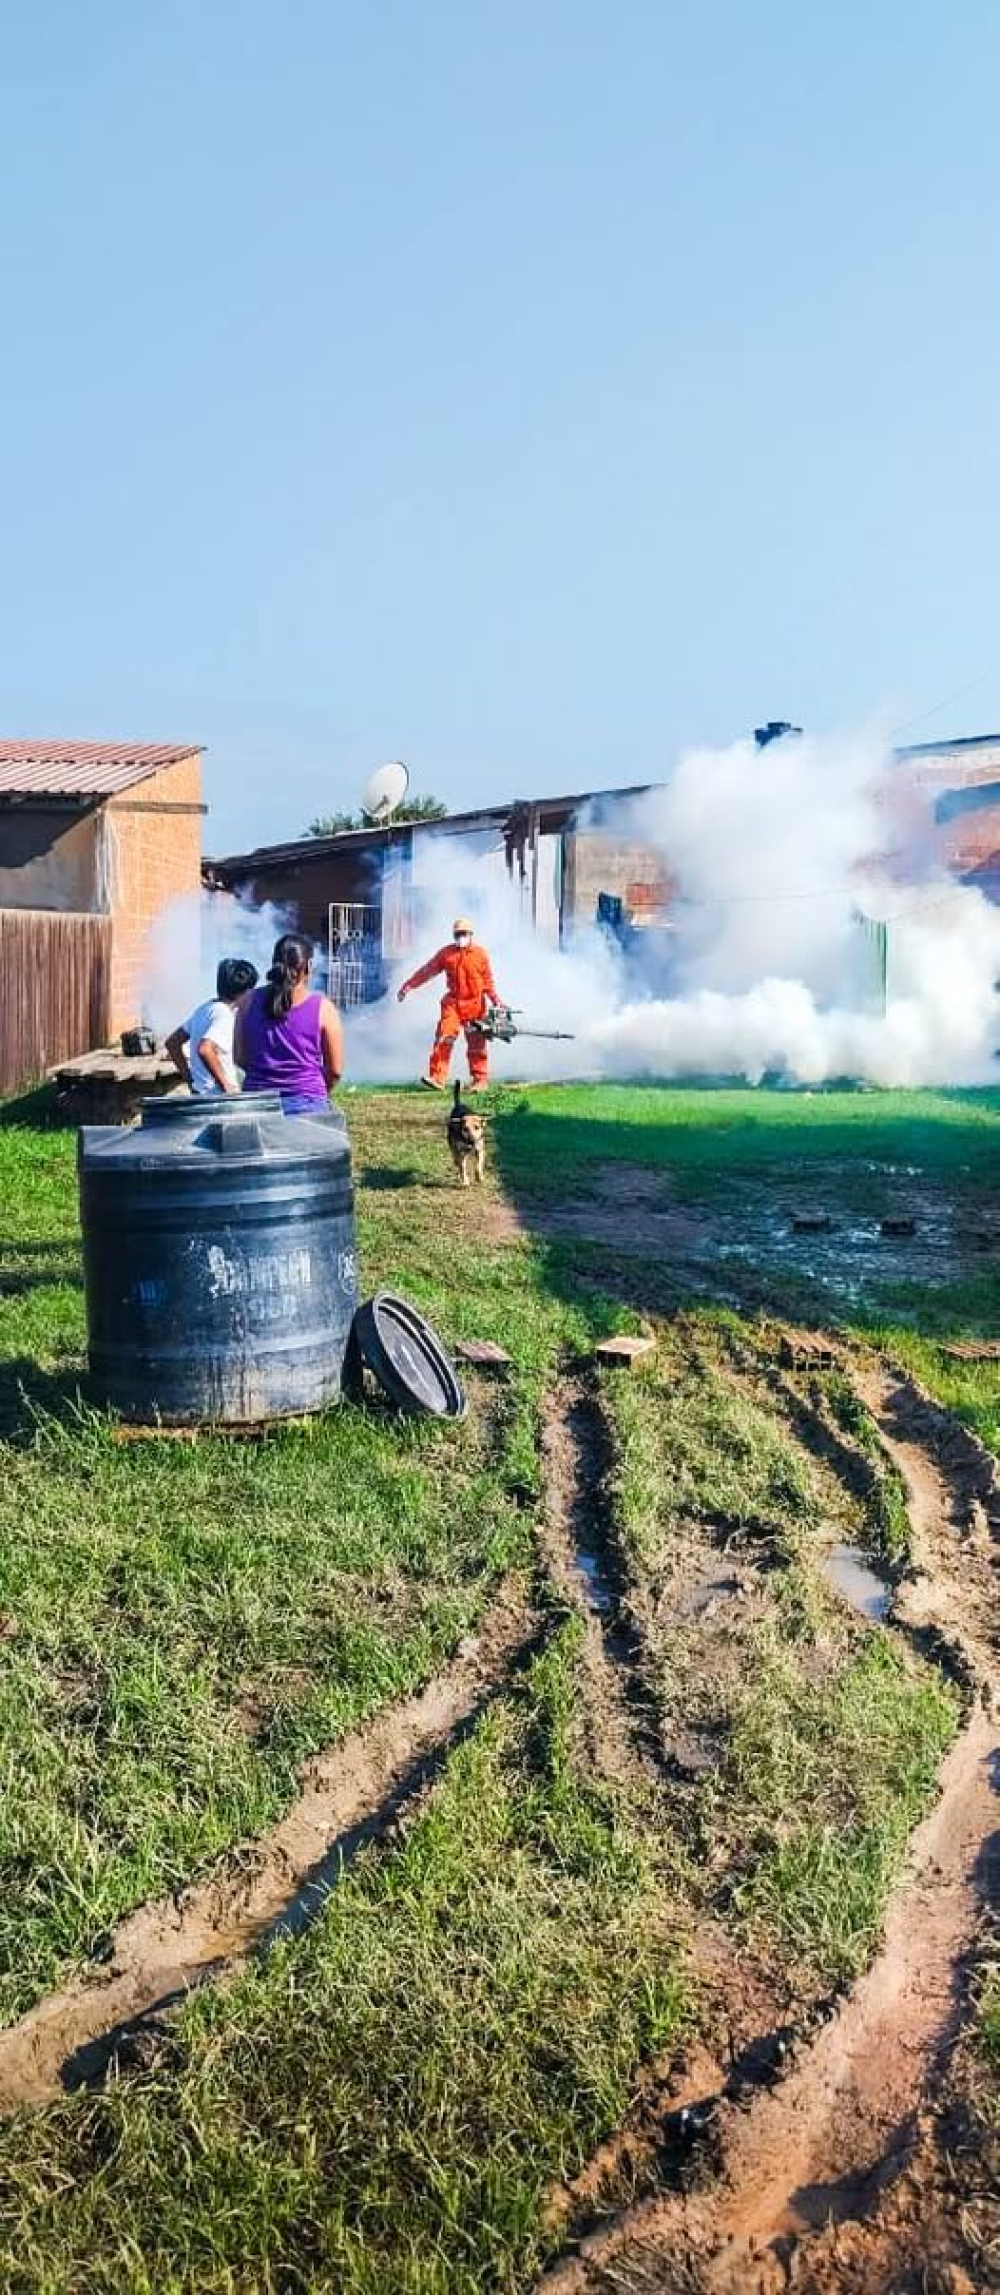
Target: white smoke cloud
x: 188, y: 940
x: 775, y: 851
x: 772, y: 853
x: 764, y: 845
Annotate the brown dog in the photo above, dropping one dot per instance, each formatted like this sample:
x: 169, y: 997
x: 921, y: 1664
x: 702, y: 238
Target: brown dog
x: 466, y: 1139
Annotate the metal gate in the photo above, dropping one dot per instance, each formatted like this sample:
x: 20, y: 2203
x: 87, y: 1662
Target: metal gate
x: 875, y: 940
x: 356, y: 973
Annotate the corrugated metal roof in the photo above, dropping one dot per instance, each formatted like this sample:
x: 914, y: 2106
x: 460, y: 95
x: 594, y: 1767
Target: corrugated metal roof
x: 309, y: 850
x: 938, y: 748
x: 83, y: 768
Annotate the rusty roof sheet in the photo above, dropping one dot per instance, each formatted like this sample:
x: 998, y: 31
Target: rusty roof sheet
x: 83, y: 768
x: 503, y: 817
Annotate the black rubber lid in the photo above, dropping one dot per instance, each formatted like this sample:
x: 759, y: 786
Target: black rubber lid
x: 406, y: 1356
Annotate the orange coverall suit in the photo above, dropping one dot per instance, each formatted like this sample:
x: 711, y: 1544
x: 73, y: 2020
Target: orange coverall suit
x: 469, y: 976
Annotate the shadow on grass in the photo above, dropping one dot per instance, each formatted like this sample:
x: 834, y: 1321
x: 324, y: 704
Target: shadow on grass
x: 724, y: 1167
x: 17, y: 1282
x: 703, y: 1138
x: 390, y: 1179
x: 33, y: 1110
x: 29, y: 1394
x: 37, y: 1247
x: 39, y: 1264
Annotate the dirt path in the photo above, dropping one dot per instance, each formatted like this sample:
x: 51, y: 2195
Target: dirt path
x: 348, y: 1796
x: 826, y: 2144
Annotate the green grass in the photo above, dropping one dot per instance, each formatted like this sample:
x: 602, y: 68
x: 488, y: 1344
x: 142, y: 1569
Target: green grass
x: 888, y: 1519
x: 692, y: 1446
x: 827, y: 1742
x: 385, y: 2104
x: 705, y: 1138
x: 741, y: 1160
x: 988, y: 2024
x: 837, y: 1774
x: 180, y: 1625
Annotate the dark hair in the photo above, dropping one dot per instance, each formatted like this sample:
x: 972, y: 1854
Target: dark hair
x: 235, y: 975
x: 292, y: 957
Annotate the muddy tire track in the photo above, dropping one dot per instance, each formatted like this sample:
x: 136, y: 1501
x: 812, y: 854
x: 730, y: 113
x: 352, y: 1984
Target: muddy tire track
x: 821, y: 2145
x: 807, y: 1412
x: 944, y: 1594
x: 966, y: 1470
x: 950, y: 1589
x: 584, y: 1569
x: 840, y: 2127
x: 349, y: 1795
x: 827, y: 2144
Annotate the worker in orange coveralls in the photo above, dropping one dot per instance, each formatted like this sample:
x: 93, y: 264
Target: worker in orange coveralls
x: 469, y: 992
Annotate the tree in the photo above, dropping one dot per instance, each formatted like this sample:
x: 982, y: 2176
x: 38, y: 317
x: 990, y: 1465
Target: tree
x: 334, y: 824
x: 421, y: 809
x: 411, y: 809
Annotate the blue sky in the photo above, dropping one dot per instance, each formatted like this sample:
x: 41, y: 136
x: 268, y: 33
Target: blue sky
x: 525, y: 388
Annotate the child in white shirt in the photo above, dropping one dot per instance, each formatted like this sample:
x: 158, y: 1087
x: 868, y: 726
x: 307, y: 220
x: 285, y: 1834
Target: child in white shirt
x: 202, y: 1050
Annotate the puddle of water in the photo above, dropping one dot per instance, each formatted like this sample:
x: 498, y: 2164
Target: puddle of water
x: 709, y: 1591
x: 850, y: 1573
x: 599, y: 1595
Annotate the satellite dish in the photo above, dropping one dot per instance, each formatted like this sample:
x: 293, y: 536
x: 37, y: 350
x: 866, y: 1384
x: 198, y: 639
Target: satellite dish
x: 384, y: 792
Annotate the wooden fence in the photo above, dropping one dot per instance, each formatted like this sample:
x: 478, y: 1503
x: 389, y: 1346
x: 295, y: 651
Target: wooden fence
x: 55, y: 990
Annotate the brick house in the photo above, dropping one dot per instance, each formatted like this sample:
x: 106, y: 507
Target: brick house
x: 96, y: 838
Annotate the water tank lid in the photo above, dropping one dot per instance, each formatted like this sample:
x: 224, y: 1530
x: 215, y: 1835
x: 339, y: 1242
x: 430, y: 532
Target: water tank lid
x: 406, y: 1356
x: 178, y: 1112
x: 178, y: 1137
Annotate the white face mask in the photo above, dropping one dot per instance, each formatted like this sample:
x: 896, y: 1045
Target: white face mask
x: 463, y: 939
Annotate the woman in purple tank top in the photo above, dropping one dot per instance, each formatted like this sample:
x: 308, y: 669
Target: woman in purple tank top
x: 288, y: 1038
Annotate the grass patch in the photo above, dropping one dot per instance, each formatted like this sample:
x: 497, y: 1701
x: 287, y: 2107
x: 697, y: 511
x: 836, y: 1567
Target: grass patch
x: 825, y: 1745
x: 548, y: 1133
x: 887, y: 1517
x: 385, y: 2103
x: 691, y: 1446
x: 232, y: 1608
x: 988, y: 2023
x: 837, y: 1776
x: 180, y: 1625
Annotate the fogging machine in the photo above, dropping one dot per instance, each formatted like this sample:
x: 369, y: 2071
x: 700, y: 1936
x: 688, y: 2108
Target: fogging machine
x: 500, y: 1025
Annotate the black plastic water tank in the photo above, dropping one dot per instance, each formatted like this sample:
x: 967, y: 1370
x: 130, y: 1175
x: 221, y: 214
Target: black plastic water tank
x: 219, y: 1259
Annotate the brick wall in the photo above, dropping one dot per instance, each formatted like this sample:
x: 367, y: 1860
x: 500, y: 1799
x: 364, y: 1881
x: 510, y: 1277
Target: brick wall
x: 958, y: 790
x: 154, y: 835
x: 974, y: 842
